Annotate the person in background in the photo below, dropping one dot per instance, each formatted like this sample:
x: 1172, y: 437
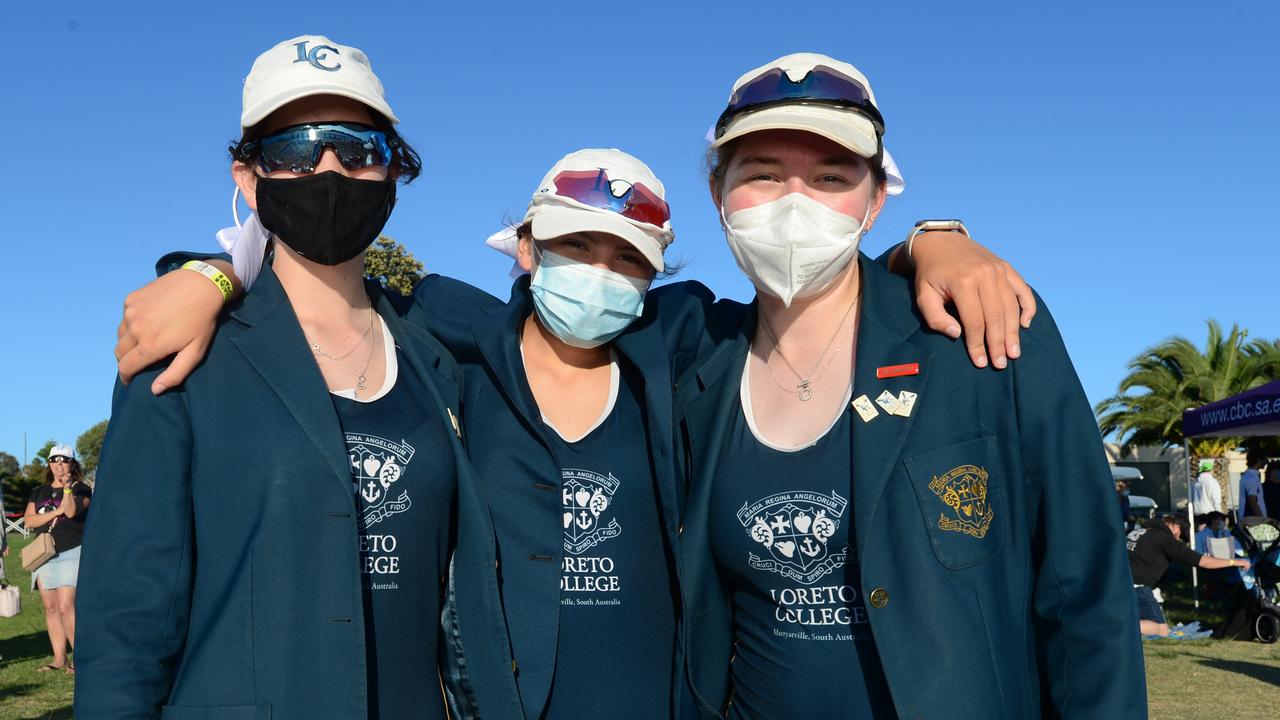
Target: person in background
x: 1151, y: 550
x: 1271, y: 488
x: 1214, y: 526
x: 59, y: 507
x: 1252, y: 503
x: 4, y: 534
x: 4, y: 541
x: 1206, y: 494
x: 1122, y: 492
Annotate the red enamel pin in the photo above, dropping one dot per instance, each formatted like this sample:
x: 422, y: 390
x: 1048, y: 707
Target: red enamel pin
x: 892, y: 371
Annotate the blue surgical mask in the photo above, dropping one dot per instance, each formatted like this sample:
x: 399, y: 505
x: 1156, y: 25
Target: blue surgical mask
x: 583, y: 305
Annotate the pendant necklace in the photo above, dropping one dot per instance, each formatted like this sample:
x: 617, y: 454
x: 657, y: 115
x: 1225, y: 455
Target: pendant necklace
x: 341, y: 359
x: 804, y: 388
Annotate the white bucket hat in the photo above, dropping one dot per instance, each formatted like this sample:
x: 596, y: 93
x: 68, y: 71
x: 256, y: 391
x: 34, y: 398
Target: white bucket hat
x: 309, y: 65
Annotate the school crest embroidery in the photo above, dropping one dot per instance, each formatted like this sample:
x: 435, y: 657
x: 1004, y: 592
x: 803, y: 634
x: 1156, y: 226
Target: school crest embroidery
x: 377, y: 465
x: 586, y: 498
x: 795, y: 527
x: 964, y: 491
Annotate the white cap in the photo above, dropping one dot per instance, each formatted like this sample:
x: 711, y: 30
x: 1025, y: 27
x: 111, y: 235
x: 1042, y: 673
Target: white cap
x: 553, y: 215
x: 846, y: 127
x: 309, y: 65
x: 65, y: 451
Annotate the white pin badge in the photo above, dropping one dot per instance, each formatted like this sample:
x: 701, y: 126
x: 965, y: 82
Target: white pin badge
x: 454, y: 420
x: 906, y: 401
x: 865, y: 408
x: 889, y: 403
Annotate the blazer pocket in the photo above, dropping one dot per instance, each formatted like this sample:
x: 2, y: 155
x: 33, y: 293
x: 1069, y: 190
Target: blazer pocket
x: 960, y: 490
x: 215, y: 712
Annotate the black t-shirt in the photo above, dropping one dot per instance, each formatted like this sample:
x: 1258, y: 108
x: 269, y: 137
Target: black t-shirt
x: 67, y: 532
x: 781, y: 533
x: 403, y: 480
x: 1151, y: 549
x: 617, y: 608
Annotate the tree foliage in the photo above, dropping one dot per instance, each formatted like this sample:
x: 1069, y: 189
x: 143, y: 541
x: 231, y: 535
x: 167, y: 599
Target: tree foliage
x: 1176, y: 375
x: 8, y: 465
x: 392, y: 265
x: 89, y: 447
x: 9, y: 472
x: 18, y: 487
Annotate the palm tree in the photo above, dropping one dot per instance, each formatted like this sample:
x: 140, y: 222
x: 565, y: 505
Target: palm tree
x: 1176, y: 375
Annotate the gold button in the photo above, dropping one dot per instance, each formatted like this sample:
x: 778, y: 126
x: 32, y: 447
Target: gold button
x: 879, y: 598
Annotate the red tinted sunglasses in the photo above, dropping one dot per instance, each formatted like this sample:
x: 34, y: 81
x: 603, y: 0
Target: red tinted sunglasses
x: 593, y: 187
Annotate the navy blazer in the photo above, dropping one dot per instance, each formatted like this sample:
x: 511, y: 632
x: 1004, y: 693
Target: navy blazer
x: 1036, y: 617
x: 220, y: 575
x: 509, y: 444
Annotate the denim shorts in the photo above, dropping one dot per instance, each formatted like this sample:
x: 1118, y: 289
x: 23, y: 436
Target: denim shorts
x: 1148, y: 608
x: 60, y: 571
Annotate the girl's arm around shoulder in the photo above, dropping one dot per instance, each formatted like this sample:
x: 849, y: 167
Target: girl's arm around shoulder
x: 135, y: 579
x: 449, y: 309
x: 694, y: 322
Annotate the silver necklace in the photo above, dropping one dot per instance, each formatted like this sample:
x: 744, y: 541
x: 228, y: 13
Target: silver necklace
x: 341, y: 360
x: 315, y: 347
x: 804, y: 388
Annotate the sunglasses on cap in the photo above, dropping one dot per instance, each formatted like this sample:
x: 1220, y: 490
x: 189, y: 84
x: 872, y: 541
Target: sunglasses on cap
x: 298, y: 148
x: 821, y: 85
x: 594, y: 188
x: 57, y: 459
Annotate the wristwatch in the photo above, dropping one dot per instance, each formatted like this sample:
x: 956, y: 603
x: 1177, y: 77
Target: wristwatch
x: 933, y: 226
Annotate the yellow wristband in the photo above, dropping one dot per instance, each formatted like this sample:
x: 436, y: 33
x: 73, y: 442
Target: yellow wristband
x: 66, y: 491
x: 214, y: 274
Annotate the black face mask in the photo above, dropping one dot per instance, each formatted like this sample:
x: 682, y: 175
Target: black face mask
x: 327, y: 217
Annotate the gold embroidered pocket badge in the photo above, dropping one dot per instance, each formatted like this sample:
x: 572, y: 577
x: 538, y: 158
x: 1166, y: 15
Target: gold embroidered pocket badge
x: 964, y: 490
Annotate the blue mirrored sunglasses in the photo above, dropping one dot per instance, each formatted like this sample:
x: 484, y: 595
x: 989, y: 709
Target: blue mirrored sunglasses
x: 298, y: 148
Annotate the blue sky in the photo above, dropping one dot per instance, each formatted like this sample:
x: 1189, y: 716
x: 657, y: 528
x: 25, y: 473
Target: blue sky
x: 1121, y: 155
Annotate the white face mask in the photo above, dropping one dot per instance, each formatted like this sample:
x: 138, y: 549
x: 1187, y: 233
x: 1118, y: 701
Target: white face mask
x: 793, y: 247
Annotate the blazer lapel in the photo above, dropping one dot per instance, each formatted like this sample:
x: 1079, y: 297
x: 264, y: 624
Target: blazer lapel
x: 275, y: 346
x: 705, y: 401
x: 425, y: 355
x: 643, y: 347
x: 499, y: 344
x: 885, y: 337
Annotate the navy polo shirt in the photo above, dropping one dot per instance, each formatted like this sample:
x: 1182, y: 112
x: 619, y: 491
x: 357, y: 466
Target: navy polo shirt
x: 617, y: 610
x: 781, y: 529
x: 404, y: 498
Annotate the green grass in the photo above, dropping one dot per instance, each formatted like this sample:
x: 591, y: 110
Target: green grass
x: 1185, y: 679
x: 1209, y: 678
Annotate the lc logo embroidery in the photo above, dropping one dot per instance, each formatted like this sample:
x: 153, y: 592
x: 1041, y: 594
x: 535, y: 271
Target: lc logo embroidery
x: 316, y: 56
x: 586, y: 496
x: 964, y: 490
x: 795, y: 527
x: 377, y: 465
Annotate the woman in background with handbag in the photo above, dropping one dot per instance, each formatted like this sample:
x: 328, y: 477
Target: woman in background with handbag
x: 58, y: 509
